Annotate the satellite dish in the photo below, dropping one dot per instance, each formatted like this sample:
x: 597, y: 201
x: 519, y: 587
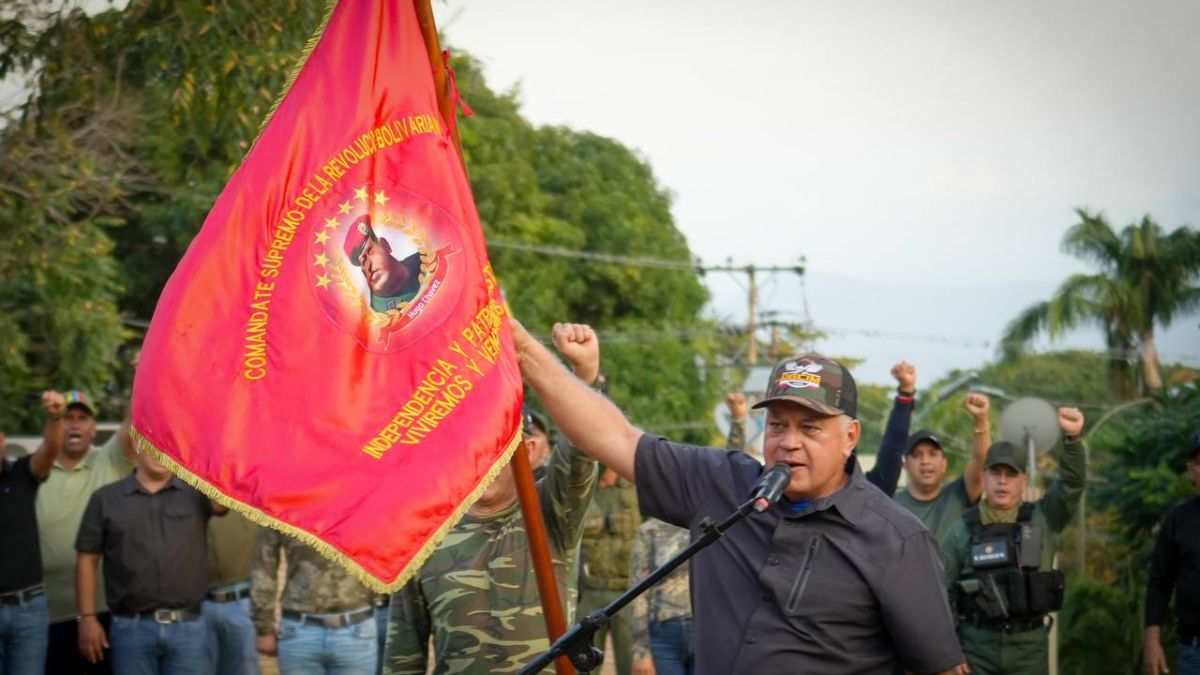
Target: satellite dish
x: 1030, y: 421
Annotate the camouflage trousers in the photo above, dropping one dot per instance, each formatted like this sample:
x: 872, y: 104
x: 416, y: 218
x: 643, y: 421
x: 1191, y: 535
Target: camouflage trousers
x: 618, y: 626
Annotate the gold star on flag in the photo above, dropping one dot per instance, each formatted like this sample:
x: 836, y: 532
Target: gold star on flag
x: 331, y: 223
x: 322, y: 237
x: 322, y: 281
x: 381, y: 199
x: 361, y: 193
x: 344, y: 207
x: 322, y: 259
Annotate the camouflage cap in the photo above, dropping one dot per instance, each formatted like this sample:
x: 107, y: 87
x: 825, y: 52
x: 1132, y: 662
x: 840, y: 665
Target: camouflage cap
x: 356, y: 238
x: 814, y: 381
x: 1006, y: 454
x: 922, y: 436
x: 78, y: 399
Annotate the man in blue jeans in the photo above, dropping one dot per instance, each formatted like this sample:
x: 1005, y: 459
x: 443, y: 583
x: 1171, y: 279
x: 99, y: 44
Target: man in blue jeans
x: 1175, y: 567
x: 149, y: 529
x: 329, y: 617
x: 24, y: 618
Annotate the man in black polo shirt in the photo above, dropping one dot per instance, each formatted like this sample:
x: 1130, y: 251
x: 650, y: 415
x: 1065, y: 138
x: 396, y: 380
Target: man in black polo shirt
x: 836, y: 578
x: 1176, y: 567
x: 150, y: 530
x: 24, y: 619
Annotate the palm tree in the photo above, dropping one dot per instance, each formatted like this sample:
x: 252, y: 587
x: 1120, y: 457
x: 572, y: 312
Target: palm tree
x: 1146, y: 279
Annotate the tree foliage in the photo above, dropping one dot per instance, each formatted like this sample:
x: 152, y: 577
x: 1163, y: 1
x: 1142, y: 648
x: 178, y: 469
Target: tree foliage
x: 1147, y: 277
x: 138, y: 116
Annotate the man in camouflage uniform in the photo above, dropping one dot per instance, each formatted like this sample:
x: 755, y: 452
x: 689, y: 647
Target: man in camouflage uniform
x: 328, y: 616
x: 476, y: 596
x: 608, y: 533
x: 662, y: 617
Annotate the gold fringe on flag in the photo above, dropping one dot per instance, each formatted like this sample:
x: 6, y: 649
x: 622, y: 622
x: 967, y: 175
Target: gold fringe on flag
x: 256, y: 516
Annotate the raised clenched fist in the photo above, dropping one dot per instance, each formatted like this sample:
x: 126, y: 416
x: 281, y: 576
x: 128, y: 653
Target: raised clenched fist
x: 1070, y: 420
x: 906, y: 376
x: 54, y: 403
x: 579, y: 345
x: 735, y: 401
x: 977, y: 404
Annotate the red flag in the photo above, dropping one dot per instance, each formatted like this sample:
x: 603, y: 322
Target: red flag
x: 330, y: 356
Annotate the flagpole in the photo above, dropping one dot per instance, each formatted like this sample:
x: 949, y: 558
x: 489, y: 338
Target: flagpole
x: 535, y: 527
x: 433, y: 48
x: 543, y: 568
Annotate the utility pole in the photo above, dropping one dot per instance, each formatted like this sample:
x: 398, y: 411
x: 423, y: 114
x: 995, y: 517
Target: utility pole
x: 752, y: 321
x: 751, y: 271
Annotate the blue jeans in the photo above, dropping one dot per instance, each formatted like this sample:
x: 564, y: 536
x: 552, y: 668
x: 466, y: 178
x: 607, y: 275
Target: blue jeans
x: 305, y: 649
x: 24, y: 635
x: 143, y: 647
x: 671, y: 646
x: 231, y: 633
x: 1189, y: 660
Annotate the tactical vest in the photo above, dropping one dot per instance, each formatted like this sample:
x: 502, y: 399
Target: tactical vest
x: 1008, y: 587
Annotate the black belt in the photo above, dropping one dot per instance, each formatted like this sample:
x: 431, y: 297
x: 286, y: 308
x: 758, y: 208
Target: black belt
x: 331, y: 620
x: 229, y: 596
x: 166, y: 615
x: 22, y: 596
x: 1012, y: 625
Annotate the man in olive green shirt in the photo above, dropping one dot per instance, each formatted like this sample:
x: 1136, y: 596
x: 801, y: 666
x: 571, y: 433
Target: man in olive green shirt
x: 939, y: 504
x: 227, y: 606
x: 79, y: 471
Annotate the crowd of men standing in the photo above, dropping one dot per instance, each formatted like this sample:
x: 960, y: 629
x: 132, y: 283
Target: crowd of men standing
x: 111, y: 564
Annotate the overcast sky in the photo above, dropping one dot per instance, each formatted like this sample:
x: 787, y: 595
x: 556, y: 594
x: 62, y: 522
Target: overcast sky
x: 925, y: 157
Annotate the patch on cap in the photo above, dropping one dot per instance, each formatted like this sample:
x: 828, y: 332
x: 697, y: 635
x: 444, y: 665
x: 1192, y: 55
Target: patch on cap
x: 78, y: 399
x: 814, y: 381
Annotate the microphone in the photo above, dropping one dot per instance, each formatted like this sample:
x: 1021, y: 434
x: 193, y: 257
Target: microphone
x: 770, y: 486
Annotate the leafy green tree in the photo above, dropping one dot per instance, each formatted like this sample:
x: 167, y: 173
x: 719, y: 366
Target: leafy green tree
x: 1147, y: 277
x: 138, y: 116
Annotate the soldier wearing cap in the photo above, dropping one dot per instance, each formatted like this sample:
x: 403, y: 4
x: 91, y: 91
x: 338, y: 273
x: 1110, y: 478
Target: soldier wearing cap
x: 1175, y: 568
x: 79, y: 471
x: 999, y: 557
x: 392, y: 282
x: 939, y: 504
x: 836, y: 578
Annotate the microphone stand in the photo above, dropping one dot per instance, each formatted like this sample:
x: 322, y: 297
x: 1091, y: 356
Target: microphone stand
x: 576, y: 643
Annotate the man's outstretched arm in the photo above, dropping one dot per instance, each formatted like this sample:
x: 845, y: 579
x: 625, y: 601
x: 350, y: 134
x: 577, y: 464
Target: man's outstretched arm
x: 886, y: 472
x: 589, y: 420
x: 977, y: 405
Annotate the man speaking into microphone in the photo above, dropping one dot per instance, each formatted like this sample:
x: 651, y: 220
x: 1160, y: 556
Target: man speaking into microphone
x: 834, y: 577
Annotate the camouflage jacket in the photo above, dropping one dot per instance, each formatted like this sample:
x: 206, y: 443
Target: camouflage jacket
x: 737, y: 435
x: 314, y: 584
x: 608, y: 532
x: 657, y: 542
x: 476, y: 596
